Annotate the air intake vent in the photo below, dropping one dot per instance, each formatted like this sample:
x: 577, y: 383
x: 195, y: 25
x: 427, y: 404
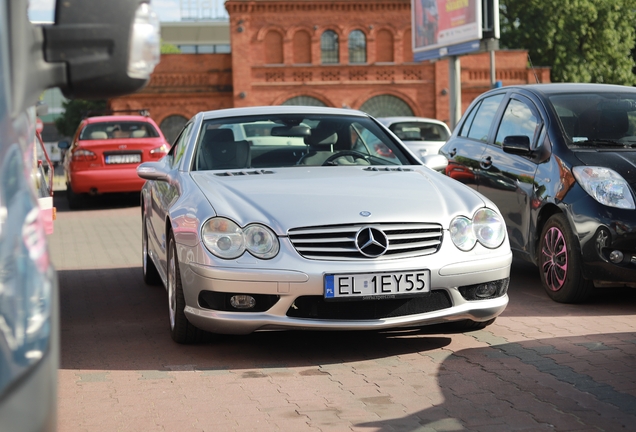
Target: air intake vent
x: 341, y: 242
x: 242, y: 173
x: 375, y: 168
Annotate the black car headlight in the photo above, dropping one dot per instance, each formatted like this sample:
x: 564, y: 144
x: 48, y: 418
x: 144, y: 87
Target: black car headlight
x: 486, y: 227
x: 605, y: 185
x: 227, y: 240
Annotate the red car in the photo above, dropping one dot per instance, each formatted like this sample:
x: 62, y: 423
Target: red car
x: 105, y: 152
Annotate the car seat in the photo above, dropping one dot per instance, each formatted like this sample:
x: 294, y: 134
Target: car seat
x: 218, y: 150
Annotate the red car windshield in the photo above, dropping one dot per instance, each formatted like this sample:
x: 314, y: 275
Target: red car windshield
x: 118, y: 130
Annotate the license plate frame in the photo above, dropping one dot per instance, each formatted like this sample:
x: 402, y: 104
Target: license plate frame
x: 378, y: 286
x: 122, y: 159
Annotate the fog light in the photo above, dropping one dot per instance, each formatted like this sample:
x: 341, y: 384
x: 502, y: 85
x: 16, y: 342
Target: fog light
x: 616, y: 256
x: 242, y: 302
x: 486, y: 290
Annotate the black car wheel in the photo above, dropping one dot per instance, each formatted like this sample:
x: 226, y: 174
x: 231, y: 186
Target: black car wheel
x: 181, y: 330
x: 151, y: 275
x: 560, y: 263
x: 74, y: 199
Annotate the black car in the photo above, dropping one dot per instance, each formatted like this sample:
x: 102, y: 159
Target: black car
x: 559, y: 160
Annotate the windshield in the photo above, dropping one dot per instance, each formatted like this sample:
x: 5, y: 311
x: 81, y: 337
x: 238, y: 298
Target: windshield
x: 117, y: 130
x: 597, y: 120
x: 275, y: 141
x: 419, y: 131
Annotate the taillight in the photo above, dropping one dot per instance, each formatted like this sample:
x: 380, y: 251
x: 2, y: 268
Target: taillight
x: 159, y: 152
x: 81, y: 155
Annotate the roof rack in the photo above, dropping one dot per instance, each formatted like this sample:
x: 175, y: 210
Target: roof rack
x: 93, y: 113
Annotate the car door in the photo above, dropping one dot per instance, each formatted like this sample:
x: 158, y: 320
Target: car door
x: 162, y: 195
x: 464, y: 149
x: 508, y: 179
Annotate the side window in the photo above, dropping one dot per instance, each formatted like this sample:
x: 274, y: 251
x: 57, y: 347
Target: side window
x: 520, y: 118
x: 178, y: 149
x: 484, y: 117
x: 469, y: 121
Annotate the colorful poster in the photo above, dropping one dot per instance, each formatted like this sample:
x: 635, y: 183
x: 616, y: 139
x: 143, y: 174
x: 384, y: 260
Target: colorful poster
x: 442, y: 23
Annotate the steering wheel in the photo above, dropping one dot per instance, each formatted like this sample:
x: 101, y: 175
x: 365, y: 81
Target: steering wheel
x: 354, y: 154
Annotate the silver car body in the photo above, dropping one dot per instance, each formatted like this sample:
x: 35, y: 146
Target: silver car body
x: 421, y: 143
x: 295, y: 199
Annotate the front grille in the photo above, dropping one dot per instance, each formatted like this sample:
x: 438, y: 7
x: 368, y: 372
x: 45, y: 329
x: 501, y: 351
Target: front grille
x: 315, y: 307
x: 338, y: 242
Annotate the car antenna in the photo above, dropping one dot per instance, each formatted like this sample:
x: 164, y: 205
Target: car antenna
x: 533, y: 71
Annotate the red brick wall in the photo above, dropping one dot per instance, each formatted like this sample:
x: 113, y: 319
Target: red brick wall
x: 276, y: 56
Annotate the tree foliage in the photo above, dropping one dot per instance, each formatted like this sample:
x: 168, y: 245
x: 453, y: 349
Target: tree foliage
x: 74, y: 111
x: 580, y: 40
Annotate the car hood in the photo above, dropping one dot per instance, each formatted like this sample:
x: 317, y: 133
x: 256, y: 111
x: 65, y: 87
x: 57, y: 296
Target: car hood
x: 623, y: 162
x: 295, y: 197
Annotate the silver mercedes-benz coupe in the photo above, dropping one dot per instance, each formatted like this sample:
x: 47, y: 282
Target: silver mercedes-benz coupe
x: 289, y: 217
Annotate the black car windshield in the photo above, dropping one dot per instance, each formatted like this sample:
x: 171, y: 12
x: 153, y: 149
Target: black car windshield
x: 117, y: 130
x: 597, y: 120
x: 285, y: 140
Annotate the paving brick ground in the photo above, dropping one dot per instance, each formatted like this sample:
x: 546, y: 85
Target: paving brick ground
x: 541, y: 366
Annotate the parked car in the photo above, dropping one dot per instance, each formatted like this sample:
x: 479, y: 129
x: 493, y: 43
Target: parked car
x: 325, y: 233
x: 34, y: 57
x: 424, y: 136
x: 105, y: 152
x: 559, y: 160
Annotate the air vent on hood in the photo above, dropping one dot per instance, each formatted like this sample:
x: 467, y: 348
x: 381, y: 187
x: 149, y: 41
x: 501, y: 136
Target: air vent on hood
x: 242, y: 173
x: 375, y: 168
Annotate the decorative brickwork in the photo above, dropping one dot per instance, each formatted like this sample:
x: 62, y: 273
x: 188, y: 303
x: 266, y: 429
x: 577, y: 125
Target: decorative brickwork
x: 276, y: 57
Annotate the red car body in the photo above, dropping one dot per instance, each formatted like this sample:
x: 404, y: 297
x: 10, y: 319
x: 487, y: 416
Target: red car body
x: 105, y: 152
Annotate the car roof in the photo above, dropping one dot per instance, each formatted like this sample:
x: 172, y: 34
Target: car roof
x: 279, y: 109
x: 557, y: 88
x: 399, y: 119
x: 111, y: 118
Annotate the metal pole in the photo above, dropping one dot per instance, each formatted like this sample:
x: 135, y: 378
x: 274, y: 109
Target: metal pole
x: 455, y: 84
x: 493, y: 75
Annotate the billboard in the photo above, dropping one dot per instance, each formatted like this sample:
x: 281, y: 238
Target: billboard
x: 451, y: 27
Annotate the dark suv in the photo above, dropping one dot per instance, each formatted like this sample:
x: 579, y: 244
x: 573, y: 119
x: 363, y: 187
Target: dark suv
x: 559, y: 160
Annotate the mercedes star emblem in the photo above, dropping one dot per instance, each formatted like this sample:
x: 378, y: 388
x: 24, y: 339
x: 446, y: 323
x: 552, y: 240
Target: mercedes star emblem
x: 371, y: 242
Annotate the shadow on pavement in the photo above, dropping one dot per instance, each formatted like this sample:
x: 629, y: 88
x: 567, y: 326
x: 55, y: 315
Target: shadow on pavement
x: 575, y: 383
x: 97, y: 202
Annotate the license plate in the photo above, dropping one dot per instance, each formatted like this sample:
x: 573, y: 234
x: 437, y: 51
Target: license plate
x: 376, y: 286
x: 123, y: 159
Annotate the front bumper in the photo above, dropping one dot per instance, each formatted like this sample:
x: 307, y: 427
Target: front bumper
x: 602, y: 230
x: 298, y: 289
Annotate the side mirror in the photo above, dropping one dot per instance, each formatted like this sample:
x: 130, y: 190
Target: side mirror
x: 63, y: 145
x: 435, y: 162
x: 153, y: 171
x: 517, y: 144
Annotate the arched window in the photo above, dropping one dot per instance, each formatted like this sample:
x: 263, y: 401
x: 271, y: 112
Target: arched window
x: 303, y: 101
x: 386, y: 106
x: 171, y: 126
x: 273, y: 48
x: 302, y: 47
x: 384, y: 46
x: 329, y: 47
x: 357, y: 47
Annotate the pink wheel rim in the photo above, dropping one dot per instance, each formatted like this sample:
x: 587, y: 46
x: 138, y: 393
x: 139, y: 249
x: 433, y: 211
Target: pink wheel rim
x: 554, y: 259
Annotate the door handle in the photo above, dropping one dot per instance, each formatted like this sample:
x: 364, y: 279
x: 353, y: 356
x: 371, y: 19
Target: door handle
x: 486, y: 162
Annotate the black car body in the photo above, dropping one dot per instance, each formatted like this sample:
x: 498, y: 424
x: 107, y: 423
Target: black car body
x: 559, y: 160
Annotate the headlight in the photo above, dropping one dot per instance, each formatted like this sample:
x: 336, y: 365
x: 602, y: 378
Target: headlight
x: 605, y: 185
x: 226, y: 239
x: 223, y: 238
x: 462, y: 234
x: 486, y: 227
x: 261, y: 241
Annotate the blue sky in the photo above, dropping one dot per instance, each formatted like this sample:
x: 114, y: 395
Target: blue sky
x: 168, y: 10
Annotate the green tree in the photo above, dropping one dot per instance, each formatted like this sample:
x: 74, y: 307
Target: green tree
x: 580, y: 40
x: 74, y: 111
x: 167, y: 48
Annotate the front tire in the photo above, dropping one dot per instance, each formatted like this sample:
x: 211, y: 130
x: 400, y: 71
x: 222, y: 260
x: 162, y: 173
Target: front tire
x: 560, y: 263
x: 181, y: 330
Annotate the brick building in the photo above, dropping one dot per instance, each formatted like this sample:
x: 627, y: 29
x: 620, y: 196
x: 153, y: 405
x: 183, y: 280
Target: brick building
x: 341, y: 53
